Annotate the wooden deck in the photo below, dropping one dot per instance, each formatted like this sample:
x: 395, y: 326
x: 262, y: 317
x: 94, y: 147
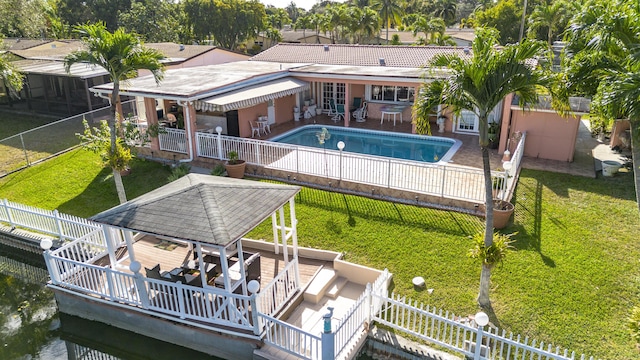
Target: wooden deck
x: 150, y: 251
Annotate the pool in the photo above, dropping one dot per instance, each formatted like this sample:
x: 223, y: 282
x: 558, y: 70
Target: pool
x: 423, y: 148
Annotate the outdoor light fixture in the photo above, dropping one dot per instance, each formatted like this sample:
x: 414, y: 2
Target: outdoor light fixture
x: 481, y: 319
x: 219, y: 129
x: 46, y: 244
x: 340, y: 145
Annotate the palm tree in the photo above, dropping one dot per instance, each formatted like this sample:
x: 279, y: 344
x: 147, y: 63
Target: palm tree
x: 548, y: 16
x: 479, y: 84
x: 390, y: 11
x: 304, y: 23
x: 369, y: 23
x: 9, y: 74
x: 121, y: 54
x: 446, y: 9
x: 602, y: 60
x: 430, y: 26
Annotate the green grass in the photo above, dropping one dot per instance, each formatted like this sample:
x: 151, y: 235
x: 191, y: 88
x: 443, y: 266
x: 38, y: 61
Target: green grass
x: 572, y: 281
x: 76, y: 183
x: 13, y: 123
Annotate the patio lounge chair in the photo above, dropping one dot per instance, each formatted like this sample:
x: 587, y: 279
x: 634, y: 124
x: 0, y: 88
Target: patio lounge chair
x: 361, y: 113
x: 339, y: 115
x: 356, y: 104
x: 333, y: 110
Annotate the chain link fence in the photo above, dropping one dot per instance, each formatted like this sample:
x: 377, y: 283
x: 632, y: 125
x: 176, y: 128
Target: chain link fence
x: 41, y: 143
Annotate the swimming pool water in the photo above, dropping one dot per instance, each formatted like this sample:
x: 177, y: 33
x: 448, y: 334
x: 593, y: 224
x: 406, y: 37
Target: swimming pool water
x: 380, y: 143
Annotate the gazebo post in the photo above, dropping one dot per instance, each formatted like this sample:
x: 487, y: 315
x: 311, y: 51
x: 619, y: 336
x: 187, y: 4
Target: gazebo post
x: 243, y: 279
x: 294, y: 235
x: 108, y: 236
x: 283, y: 233
x: 129, y: 240
x: 274, y: 225
x: 203, y: 273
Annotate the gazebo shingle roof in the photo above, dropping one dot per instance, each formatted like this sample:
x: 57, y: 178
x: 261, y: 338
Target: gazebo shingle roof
x: 356, y: 55
x: 204, y: 208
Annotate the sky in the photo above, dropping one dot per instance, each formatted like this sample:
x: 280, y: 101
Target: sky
x: 305, y: 4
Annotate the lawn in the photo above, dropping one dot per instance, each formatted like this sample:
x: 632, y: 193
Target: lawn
x: 571, y: 282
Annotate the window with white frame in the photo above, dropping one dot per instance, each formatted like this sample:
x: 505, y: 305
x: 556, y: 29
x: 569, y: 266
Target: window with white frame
x: 390, y: 93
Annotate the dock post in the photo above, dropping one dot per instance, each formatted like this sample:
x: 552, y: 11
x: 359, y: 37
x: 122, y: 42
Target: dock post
x: 328, y: 337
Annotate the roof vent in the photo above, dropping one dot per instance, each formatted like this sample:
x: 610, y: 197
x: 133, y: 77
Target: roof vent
x: 53, y: 46
x: 326, y: 48
x: 466, y: 50
x: 382, y: 62
x: 181, y: 47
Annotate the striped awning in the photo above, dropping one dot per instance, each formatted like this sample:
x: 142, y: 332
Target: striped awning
x: 252, y: 95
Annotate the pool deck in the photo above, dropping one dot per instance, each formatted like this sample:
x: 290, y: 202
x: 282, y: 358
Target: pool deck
x: 589, y: 152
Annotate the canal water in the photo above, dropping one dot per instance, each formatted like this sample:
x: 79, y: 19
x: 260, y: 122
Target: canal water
x: 32, y: 328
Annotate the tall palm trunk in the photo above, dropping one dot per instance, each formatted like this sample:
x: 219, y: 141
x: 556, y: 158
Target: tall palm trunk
x: 483, y: 294
x: 485, y: 281
x: 635, y: 155
x: 115, y: 99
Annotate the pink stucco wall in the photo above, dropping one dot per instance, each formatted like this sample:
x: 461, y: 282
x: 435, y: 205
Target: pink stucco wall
x: 549, y: 136
x: 250, y: 114
x: 619, y: 127
x: 284, y: 108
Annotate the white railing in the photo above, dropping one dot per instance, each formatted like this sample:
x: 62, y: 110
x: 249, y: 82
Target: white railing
x: 173, y: 140
x: 461, y: 335
x: 273, y: 297
x: 86, y: 249
x: 352, y: 326
x: 65, y: 227
x: 182, y: 301
x: 291, y: 339
x: 449, y: 181
x: 516, y: 163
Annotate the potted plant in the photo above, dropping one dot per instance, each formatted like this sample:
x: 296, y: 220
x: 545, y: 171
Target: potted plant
x: 235, y: 167
x: 502, y: 211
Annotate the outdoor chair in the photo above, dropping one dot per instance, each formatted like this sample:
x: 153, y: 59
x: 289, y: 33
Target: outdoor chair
x: 154, y: 273
x: 332, y: 108
x: 357, y: 103
x: 339, y: 115
x: 360, y: 114
x: 255, y: 129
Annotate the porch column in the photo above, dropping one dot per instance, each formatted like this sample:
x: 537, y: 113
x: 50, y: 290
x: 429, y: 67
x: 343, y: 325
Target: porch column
x: 274, y: 226
x: 129, y: 239
x: 190, y: 127
x: 108, y: 236
x: 347, y: 103
x: 152, y: 119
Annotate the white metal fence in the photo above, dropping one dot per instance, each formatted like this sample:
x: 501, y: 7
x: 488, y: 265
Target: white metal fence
x: 65, y: 227
x: 461, y: 335
x: 275, y: 295
x: 449, y: 181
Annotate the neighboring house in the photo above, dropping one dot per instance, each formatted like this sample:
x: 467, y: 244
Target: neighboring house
x: 462, y: 37
x: 290, y: 36
x: 50, y: 89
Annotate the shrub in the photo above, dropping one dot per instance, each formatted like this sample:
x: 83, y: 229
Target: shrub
x: 178, y: 172
x: 494, y: 254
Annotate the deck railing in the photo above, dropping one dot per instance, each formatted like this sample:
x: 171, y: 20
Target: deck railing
x: 291, y: 339
x: 461, y: 334
x: 208, y: 305
x: 63, y: 226
x: 449, y: 181
x: 276, y: 295
x: 173, y: 140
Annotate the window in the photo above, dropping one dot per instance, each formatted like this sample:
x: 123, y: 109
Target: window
x: 333, y: 91
x: 392, y: 93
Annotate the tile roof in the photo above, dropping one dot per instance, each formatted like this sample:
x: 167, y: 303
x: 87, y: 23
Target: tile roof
x: 356, y: 55
x: 22, y: 44
x: 209, y: 209
x: 172, y: 50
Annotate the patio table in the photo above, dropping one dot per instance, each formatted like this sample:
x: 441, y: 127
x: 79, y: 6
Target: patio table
x: 392, y: 110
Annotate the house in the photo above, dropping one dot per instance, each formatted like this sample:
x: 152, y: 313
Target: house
x: 462, y: 37
x: 50, y: 89
x: 290, y: 36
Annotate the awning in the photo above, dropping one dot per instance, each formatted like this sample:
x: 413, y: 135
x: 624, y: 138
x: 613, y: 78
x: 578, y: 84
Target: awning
x: 252, y: 95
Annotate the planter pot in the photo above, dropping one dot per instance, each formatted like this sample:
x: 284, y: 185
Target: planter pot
x: 236, y: 170
x: 318, y: 110
x: 502, y: 211
x: 125, y: 172
x: 609, y: 167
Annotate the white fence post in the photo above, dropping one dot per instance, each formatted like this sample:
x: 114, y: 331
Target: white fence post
x: 140, y: 285
x: 6, y: 206
x: 328, y: 337
x: 56, y: 216
x: 219, y: 131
